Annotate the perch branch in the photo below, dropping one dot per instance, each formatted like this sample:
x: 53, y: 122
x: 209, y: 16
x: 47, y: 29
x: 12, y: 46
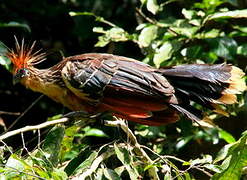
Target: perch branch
x: 137, y: 147
x: 31, y: 128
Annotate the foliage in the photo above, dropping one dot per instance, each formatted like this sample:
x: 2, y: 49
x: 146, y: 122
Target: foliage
x: 198, y: 32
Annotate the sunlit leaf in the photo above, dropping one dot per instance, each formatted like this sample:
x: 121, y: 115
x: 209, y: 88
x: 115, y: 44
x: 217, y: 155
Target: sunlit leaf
x: 152, y: 6
x: 226, y: 136
x: 15, y: 162
x: 95, y: 132
x: 147, y: 35
x: 59, y: 174
x: 188, y: 14
x: 115, y: 34
x: 165, y: 52
x: 242, y: 50
x: 237, y: 158
x: 4, y: 61
x: 229, y: 14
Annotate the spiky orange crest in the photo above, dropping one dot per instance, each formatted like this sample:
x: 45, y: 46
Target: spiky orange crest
x: 24, y: 56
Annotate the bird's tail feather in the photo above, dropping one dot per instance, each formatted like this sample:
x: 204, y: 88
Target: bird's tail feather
x: 207, y: 85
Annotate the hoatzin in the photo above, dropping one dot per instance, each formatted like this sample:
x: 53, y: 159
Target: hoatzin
x: 128, y: 88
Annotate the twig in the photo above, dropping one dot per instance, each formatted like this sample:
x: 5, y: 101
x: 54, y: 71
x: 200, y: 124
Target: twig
x: 22, y: 172
x: 137, y: 147
x: 163, y: 158
x: 10, y: 113
x: 6, y: 146
x: 31, y: 128
x: 154, y: 22
x: 17, y: 119
x: 95, y: 165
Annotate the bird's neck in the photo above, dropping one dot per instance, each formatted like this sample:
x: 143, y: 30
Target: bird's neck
x: 42, y: 80
x: 49, y: 83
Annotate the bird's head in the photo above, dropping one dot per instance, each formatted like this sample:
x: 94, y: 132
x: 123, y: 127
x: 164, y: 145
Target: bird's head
x: 23, y: 58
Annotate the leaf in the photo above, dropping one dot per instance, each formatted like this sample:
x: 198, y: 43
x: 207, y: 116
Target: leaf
x: 16, y: 24
x: 165, y: 52
x: 223, y: 153
x: 204, y: 160
x: 52, y: 144
x: 124, y: 157
x: 81, y: 158
x: 4, y: 61
x: 115, y: 34
x: 14, y: 162
x: 226, y: 15
x: 242, y: 50
x: 152, y: 6
x: 147, y: 35
x: 237, y: 158
x: 59, y: 174
x: 111, y: 174
x: 226, y: 136
x: 95, y: 132
x: 224, y: 47
x: 188, y: 14
x: 86, y: 163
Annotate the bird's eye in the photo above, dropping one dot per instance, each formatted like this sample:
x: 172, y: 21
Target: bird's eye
x: 23, y: 72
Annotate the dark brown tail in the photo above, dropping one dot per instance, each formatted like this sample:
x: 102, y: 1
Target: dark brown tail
x: 207, y: 85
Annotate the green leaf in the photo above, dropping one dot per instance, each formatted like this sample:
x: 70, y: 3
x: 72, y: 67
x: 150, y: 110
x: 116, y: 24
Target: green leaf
x: 226, y: 136
x: 52, y: 144
x: 111, y: 174
x: 165, y: 52
x: 228, y: 14
x: 242, y: 50
x: 95, y: 132
x: 204, y: 160
x: 143, y: 1
x: 224, y: 47
x: 15, y: 162
x: 152, y: 6
x: 147, y: 35
x: 115, y: 34
x: 16, y: 24
x: 223, y: 153
x: 124, y: 157
x: 237, y: 158
x: 188, y: 14
x: 59, y: 174
x: 86, y: 163
x: 80, y: 159
x: 4, y: 61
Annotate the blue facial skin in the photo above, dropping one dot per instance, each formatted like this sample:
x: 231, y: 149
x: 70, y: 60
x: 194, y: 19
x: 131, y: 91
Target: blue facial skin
x: 21, y: 73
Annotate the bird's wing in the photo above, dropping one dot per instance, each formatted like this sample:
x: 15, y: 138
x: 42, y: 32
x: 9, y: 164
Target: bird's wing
x: 117, y: 83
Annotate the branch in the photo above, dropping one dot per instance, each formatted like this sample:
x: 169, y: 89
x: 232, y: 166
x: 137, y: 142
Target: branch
x: 137, y: 147
x: 179, y: 160
x: 31, y: 128
x: 10, y: 113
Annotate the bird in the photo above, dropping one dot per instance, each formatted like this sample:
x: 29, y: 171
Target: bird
x: 128, y: 88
